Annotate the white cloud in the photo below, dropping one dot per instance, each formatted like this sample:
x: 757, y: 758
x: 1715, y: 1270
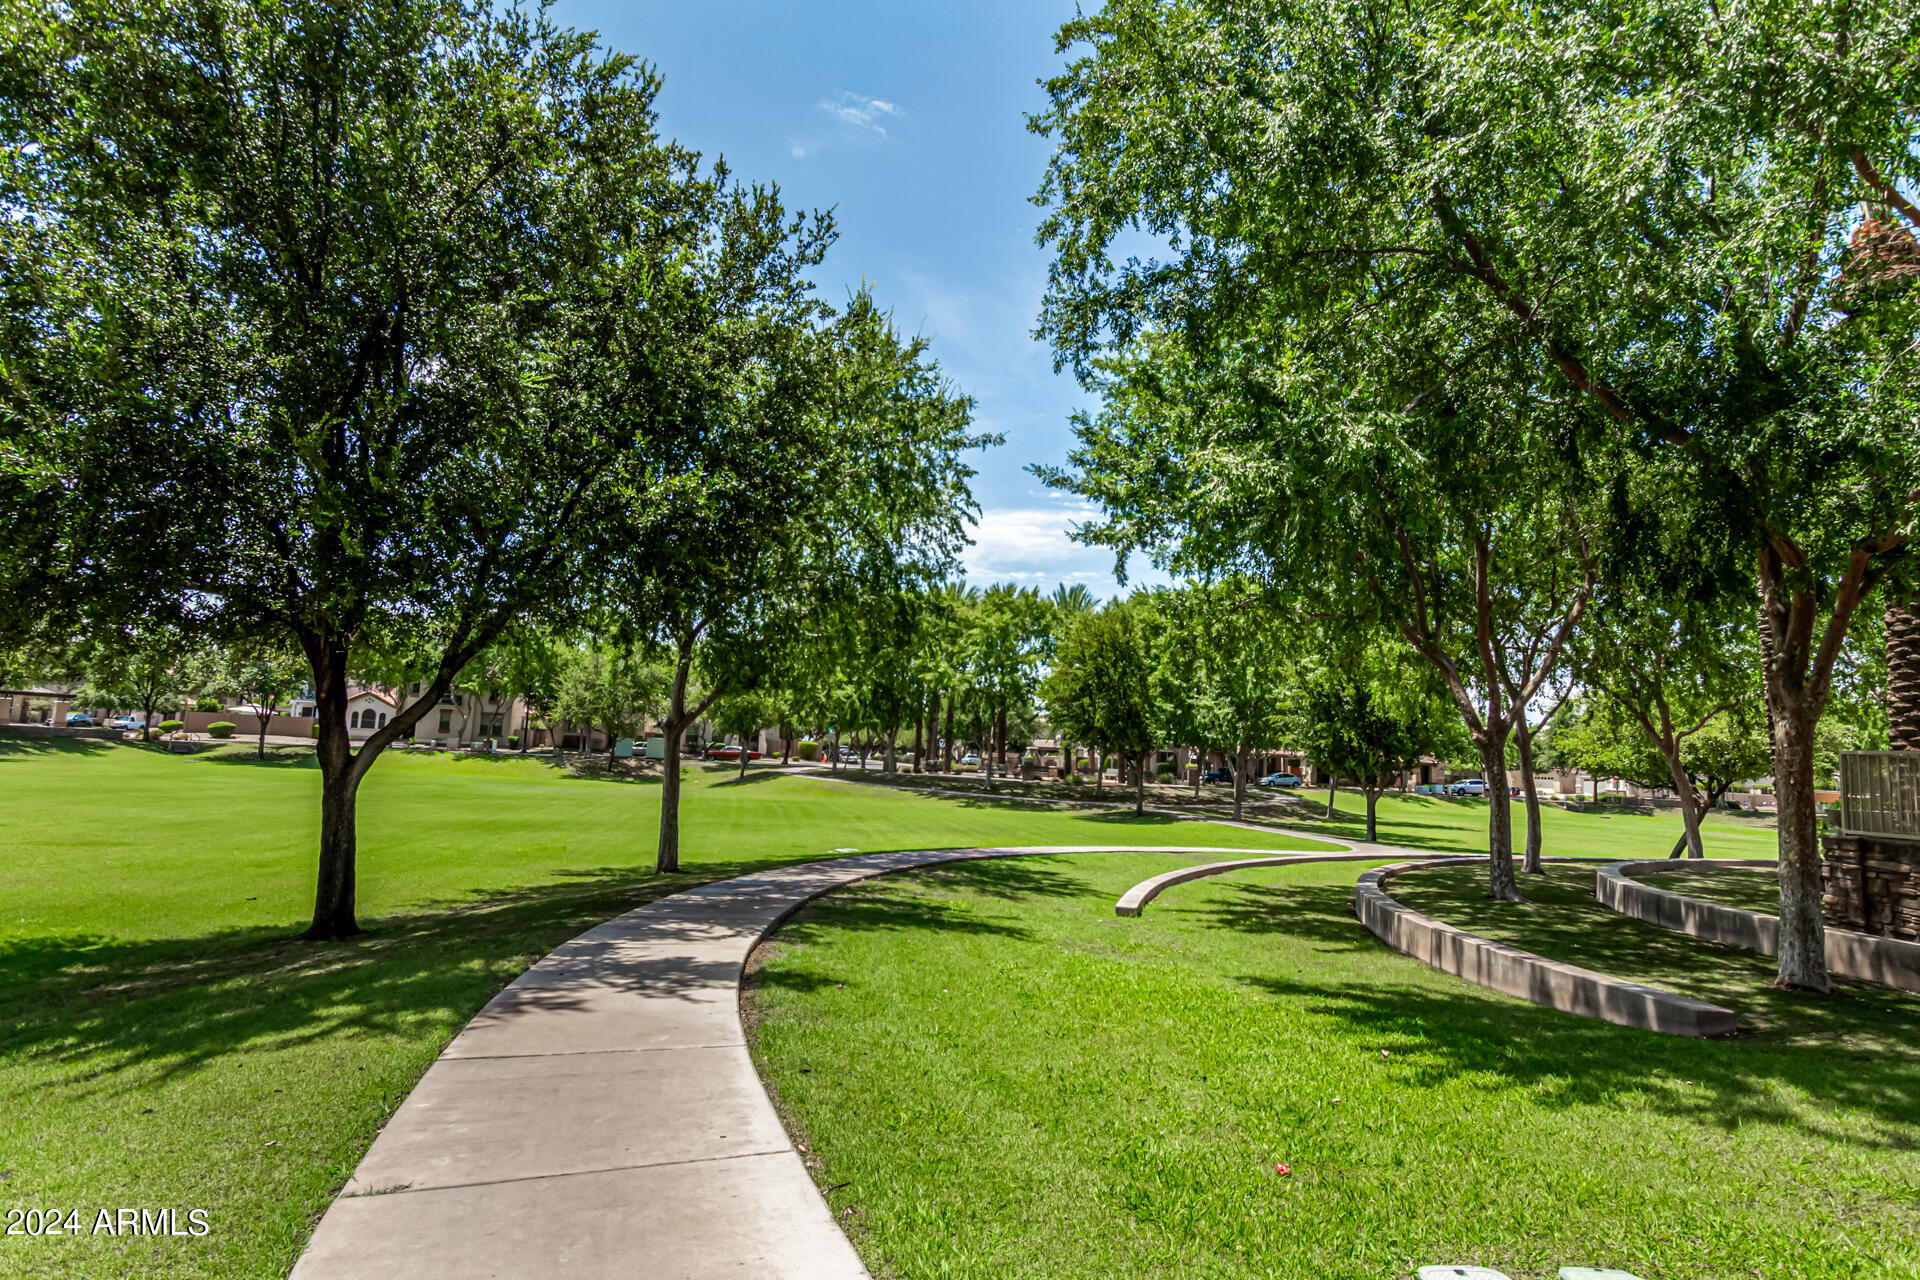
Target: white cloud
x: 1030, y: 546
x: 862, y: 112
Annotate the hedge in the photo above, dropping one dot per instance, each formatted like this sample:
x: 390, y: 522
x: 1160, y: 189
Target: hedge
x: 222, y: 728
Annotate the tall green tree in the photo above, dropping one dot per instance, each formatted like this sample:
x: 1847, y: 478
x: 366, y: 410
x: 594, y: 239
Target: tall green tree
x: 1620, y: 208
x: 151, y: 667
x: 615, y: 690
x: 265, y: 673
x: 1099, y: 690
x: 378, y: 293
x: 1223, y: 669
x: 832, y: 467
x: 1371, y: 721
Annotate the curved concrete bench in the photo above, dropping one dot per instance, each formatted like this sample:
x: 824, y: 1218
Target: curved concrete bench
x: 601, y: 1116
x: 1514, y: 972
x: 1889, y: 961
x: 1133, y: 900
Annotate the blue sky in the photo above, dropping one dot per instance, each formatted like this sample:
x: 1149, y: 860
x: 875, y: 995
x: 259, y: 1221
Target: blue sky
x: 910, y: 119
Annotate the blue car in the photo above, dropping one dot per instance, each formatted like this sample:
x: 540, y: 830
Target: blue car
x: 1279, y: 780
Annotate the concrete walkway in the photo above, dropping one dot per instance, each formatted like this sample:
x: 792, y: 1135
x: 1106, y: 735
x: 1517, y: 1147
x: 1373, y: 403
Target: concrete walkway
x: 601, y: 1116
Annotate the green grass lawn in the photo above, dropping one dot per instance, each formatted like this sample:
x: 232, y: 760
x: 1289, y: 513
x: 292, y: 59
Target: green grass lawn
x: 1751, y: 890
x: 1562, y: 920
x: 997, y: 1077
x: 1441, y: 823
x: 165, y: 1043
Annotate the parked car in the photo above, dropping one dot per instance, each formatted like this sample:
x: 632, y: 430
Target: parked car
x: 1217, y: 776
x: 79, y: 720
x: 721, y: 751
x: 1278, y: 780
x: 1468, y: 787
x: 125, y: 724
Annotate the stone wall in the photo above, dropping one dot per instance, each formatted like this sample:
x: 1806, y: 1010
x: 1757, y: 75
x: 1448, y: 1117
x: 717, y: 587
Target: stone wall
x: 1872, y: 885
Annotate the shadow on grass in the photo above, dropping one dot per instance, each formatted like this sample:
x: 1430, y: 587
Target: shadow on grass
x: 98, y: 1006
x: 1562, y: 921
x: 1750, y: 889
x: 248, y: 754
x: 26, y: 746
x: 1317, y: 912
x: 1856, y: 1063
x: 752, y: 777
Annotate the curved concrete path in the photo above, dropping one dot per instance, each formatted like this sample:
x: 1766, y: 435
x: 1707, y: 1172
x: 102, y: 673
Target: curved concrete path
x: 601, y: 1117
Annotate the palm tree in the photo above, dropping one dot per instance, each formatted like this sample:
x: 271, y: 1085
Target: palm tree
x: 1903, y: 675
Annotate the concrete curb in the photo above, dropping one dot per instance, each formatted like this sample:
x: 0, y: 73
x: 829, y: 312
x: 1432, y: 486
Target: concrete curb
x: 601, y: 1117
x: 1888, y: 961
x: 1514, y: 972
x: 1135, y: 899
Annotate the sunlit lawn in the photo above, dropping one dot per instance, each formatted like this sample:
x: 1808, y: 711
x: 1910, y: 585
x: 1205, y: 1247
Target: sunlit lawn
x: 166, y: 1043
x: 163, y: 1041
x: 1441, y: 823
x: 997, y: 1077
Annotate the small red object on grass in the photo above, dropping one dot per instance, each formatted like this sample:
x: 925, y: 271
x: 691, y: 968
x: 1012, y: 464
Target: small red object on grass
x: 1283, y: 1169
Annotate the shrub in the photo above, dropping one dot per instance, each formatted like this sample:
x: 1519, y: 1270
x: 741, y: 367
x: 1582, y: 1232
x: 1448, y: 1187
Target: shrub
x: 170, y: 726
x: 315, y: 732
x: 222, y: 728
x: 1165, y: 771
x: 204, y: 703
x: 513, y: 742
x: 807, y: 749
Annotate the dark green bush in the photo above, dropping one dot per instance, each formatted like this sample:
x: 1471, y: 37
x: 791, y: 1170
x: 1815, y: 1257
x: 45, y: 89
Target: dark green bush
x: 222, y: 728
x: 204, y: 703
x: 169, y: 726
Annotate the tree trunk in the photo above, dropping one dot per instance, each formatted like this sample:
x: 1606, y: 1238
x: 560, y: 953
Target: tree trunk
x: 1803, y: 942
x: 1501, y: 884
x: 919, y: 736
x: 333, y: 901
x: 986, y: 757
x: 1199, y: 767
x: 893, y: 746
x: 786, y: 745
x: 1689, y: 803
x: 1903, y: 676
x: 667, y: 861
x: 1373, y: 798
x: 946, y: 742
x: 1333, y: 784
x: 1532, y: 864
x: 1140, y: 786
x: 1239, y: 779
x: 262, y: 753
x: 1099, y: 772
x: 1000, y: 736
x: 743, y: 756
